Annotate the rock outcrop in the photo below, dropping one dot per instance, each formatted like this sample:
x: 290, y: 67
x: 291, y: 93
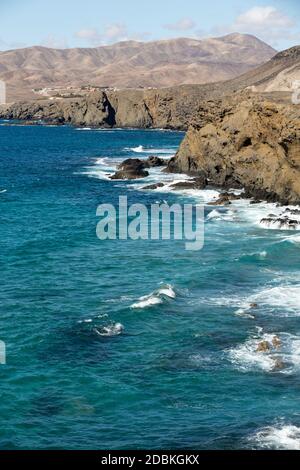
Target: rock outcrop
x: 252, y: 144
x: 131, y: 169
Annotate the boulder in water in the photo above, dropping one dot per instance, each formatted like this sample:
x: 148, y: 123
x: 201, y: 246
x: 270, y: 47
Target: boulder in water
x: 154, y: 186
x: 276, y: 342
x: 264, y: 346
x: 130, y: 169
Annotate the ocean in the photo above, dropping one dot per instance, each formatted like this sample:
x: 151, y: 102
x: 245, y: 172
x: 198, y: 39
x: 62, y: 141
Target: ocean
x: 138, y: 344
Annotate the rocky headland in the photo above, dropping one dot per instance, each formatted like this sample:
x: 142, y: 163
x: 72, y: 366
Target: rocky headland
x: 235, y: 138
x: 251, y: 143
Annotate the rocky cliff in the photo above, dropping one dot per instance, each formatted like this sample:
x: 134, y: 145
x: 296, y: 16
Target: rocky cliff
x: 251, y: 143
x: 172, y: 108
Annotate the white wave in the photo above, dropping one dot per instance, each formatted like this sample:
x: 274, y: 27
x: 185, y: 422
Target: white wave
x: 278, y: 438
x: 83, y: 129
x: 115, y: 329
x: 98, y: 174
x: 244, y: 312
x: 154, y: 151
x: 3, y: 191
x: 147, y: 301
x: 102, y: 161
x: 281, y: 357
x: 155, y: 298
x: 295, y: 239
x: 202, y: 195
x: 286, y: 296
x: 216, y: 215
x: 167, y: 291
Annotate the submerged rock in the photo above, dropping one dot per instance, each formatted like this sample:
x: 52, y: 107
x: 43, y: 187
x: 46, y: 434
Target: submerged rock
x: 253, y: 305
x: 276, y: 342
x: 278, y: 364
x: 154, y: 186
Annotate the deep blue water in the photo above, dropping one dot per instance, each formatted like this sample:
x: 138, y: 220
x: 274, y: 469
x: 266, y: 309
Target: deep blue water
x: 184, y: 373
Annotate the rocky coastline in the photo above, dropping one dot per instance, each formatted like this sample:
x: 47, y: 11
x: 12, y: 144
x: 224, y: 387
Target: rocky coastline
x: 241, y: 140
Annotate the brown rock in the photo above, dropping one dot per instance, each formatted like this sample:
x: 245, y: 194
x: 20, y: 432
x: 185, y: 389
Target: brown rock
x: 263, y: 346
x: 262, y: 153
x: 276, y: 342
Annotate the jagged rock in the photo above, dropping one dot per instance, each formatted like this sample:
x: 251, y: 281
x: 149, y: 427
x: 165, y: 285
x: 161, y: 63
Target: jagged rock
x: 263, y: 346
x: 130, y: 169
x: 293, y: 211
x: 256, y: 201
x: 280, y: 223
x: 155, y: 162
x: 224, y: 199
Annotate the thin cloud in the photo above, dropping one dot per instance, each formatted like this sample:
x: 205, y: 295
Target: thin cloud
x: 258, y: 18
x: 266, y: 22
x: 54, y: 42
x: 112, y: 33
x: 184, y: 24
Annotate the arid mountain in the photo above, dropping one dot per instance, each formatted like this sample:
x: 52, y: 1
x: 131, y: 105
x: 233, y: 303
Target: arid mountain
x: 132, y: 64
x: 277, y: 75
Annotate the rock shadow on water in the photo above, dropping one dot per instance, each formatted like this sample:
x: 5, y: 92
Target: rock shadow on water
x: 87, y: 342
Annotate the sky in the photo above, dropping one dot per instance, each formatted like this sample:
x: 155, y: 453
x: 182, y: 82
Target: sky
x: 90, y: 23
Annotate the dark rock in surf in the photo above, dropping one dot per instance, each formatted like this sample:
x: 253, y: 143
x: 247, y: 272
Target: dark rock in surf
x: 154, y: 186
x: 130, y: 169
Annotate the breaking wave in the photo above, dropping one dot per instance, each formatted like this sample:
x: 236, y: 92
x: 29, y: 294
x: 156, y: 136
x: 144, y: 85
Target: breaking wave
x: 278, y: 438
x: 155, y: 298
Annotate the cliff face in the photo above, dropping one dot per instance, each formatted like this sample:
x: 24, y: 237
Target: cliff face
x: 171, y: 108
x: 254, y: 144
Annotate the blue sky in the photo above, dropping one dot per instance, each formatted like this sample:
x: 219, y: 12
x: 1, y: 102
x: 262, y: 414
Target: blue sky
x: 72, y: 23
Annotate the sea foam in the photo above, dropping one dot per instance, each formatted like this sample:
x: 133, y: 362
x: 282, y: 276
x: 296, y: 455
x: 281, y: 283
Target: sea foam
x: 278, y: 438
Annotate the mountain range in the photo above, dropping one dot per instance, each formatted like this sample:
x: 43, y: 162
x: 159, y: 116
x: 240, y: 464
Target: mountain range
x: 132, y: 64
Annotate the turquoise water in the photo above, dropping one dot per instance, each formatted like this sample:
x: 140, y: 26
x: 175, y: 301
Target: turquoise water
x: 184, y: 373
